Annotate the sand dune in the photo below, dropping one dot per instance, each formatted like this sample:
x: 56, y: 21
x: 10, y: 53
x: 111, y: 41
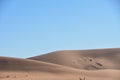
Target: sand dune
x: 25, y: 69
x: 84, y: 59
x: 64, y: 65
x: 16, y: 64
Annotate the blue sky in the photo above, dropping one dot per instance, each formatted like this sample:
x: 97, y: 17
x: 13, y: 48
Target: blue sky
x: 34, y: 27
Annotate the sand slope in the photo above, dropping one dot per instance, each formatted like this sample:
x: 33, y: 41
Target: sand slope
x: 64, y: 65
x: 84, y: 59
x: 16, y: 64
x: 25, y: 69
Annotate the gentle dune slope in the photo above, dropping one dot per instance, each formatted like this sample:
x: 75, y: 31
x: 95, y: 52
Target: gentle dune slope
x: 64, y: 65
x: 16, y: 64
x: 24, y: 69
x: 84, y: 59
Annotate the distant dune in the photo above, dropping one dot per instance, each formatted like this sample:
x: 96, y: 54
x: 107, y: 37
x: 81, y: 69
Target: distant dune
x: 99, y: 64
x: 84, y: 59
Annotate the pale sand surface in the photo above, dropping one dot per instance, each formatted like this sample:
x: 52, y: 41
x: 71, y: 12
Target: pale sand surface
x: 84, y: 59
x: 89, y: 75
x: 101, y: 64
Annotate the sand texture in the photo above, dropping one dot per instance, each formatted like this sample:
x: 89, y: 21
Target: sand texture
x: 98, y: 64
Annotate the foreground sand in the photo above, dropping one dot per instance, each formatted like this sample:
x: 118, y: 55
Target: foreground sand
x: 89, y: 75
x: 64, y: 65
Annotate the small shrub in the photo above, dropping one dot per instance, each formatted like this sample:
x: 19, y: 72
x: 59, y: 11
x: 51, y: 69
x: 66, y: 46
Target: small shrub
x: 99, y: 64
x: 7, y: 76
x: 82, y: 78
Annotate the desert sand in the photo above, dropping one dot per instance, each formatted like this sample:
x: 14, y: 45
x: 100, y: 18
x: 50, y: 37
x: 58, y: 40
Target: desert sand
x: 98, y: 64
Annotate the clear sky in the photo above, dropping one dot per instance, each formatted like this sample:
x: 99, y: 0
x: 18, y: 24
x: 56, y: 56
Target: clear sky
x: 33, y: 27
